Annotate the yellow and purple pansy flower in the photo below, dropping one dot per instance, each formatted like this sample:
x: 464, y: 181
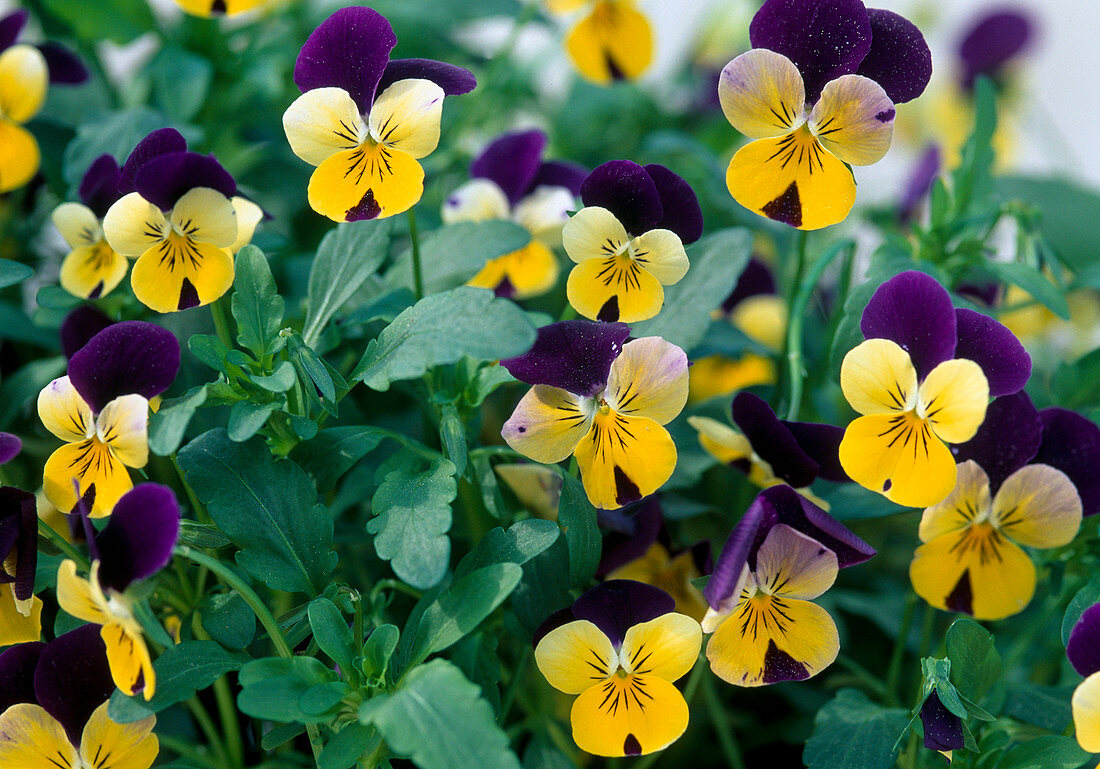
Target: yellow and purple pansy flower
x: 25, y: 73
x: 1017, y: 485
x: 816, y: 94
x: 922, y: 380
x: 784, y: 552
x: 612, y: 41
x: 364, y: 120
x: 20, y: 609
x: 510, y: 181
x: 208, y: 8
x: 1083, y: 650
x: 136, y: 543
x: 101, y: 409
x: 92, y: 269
x: 53, y: 709
x: 620, y: 648
x: 628, y: 240
x: 604, y: 402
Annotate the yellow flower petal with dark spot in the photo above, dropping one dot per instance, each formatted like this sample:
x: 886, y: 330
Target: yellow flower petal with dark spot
x: 30, y: 738
x: 118, y: 746
x: 762, y: 94
x: 369, y: 182
x: 623, y: 459
x: 548, y: 423
x: 128, y: 657
x: 90, y: 463
x: 613, y: 42
x: 631, y: 715
x: 575, y: 656
x: 179, y: 273
x: 614, y: 289
x: 91, y: 272
x: 854, y: 120
x: 530, y: 271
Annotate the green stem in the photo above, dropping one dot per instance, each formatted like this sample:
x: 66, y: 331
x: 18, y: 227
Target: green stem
x: 222, y: 324
x: 64, y: 545
x: 509, y: 698
x: 206, y: 724
x: 717, y: 712
x: 184, y: 749
x: 897, y: 657
x: 418, y: 275
x: 231, y: 723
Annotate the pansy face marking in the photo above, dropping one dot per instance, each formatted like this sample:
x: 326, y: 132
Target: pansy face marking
x: 612, y: 42
x: 208, y: 8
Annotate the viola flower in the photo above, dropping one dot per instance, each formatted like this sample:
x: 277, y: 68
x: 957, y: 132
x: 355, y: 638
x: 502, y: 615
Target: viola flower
x: 511, y: 182
x: 364, y: 120
x: 621, y: 648
x: 816, y: 94
x: 537, y: 487
x: 136, y: 543
x: 1083, y: 650
x: 1015, y: 487
x: 100, y: 409
x: 992, y: 43
x: 628, y: 240
x: 53, y: 709
x: 784, y: 552
x: 603, y: 401
x: 943, y: 730
x: 25, y: 73
x: 20, y: 609
x: 209, y: 8
x: 92, y: 269
x: 613, y: 41
x: 922, y: 379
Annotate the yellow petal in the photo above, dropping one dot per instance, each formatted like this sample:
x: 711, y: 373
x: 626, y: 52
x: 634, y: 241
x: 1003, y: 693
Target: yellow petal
x: 854, y: 119
x: 1086, y: 713
x: 564, y: 6
x: 321, y: 123
x: 118, y: 746
x: 614, y: 289
x: 721, y: 441
x: 19, y: 156
x: 613, y: 42
x: 575, y: 656
x: 666, y: 647
x: 536, y: 487
x: 1038, y: 506
x: 133, y: 225
x: 369, y: 182
x: 91, y: 272
x: 123, y: 425
x: 205, y: 216
x: 628, y: 716
x: 969, y: 500
x: 544, y: 212
x: 792, y: 565
x: 128, y: 657
x: 623, y: 459
x: 649, y: 379
x: 249, y: 215
x: 16, y: 627
x: 762, y: 94
x: 180, y: 273
x: 662, y: 255
x: 77, y: 224
x: 793, y: 180
x: 406, y: 117
x: 64, y: 412
x: 954, y: 397
x: 91, y: 464
x: 763, y: 318
x: 74, y: 595
x: 877, y: 377
x: 530, y: 271
x: 548, y: 423
x: 477, y: 200
x: 594, y: 233
x: 30, y: 738
x: 24, y: 77
x: 718, y: 375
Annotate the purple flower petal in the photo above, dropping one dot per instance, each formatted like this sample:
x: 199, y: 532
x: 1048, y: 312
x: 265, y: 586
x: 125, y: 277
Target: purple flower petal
x: 992, y: 42
x: 824, y: 38
x: 681, y: 207
x: 10, y: 446
x: 1007, y: 440
x: 138, y: 539
x: 99, y: 187
x: 159, y: 142
x: 802, y: 515
x: 772, y: 441
x: 575, y: 355
x: 626, y: 190
x: 64, y: 66
x: 1083, y: 648
x: 822, y: 444
x: 348, y: 50
x: 735, y: 554
x: 10, y: 27
x: 992, y: 346
x: 915, y: 311
x: 561, y: 173
x: 616, y: 606
x: 919, y: 183
x: 17, y: 666
x: 166, y: 178
x: 73, y: 679
x: 987, y: 292
x: 756, y: 279
x: 454, y: 80
x: 1071, y: 444
x: 128, y: 357
x: 642, y: 526
x: 899, y: 59
x: 511, y: 161
x: 942, y: 728
x: 80, y: 326
x: 18, y: 512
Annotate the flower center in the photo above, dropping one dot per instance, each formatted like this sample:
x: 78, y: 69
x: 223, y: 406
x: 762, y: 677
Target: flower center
x: 982, y: 538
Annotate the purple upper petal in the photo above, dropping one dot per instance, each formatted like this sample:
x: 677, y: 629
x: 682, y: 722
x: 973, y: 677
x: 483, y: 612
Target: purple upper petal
x: 756, y: 279
x: 616, y: 606
x: 919, y: 183
x: 64, y: 66
x: 992, y: 346
x: 1007, y: 440
x: 943, y: 730
x: 128, y: 357
x: 159, y: 142
x: 1083, y: 648
x: 10, y: 27
x: 561, y: 173
x: 992, y: 42
x: 824, y: 38
x: 915, y: 311
x: 99, y: 187
x: 348, y: 50
x: 454, y: 80
x: 80, y: 326
x: 17, y: 666
x: 772, y: 441
x: 629, y: 541
x: 735, y: 553
x: 166, y: 178
x: 575, y: 355
x: 10, y: 446
x: 1071, y: 444
x: 899, y: 59
x: 511, y: 161
x: 822, y: 444
x: 625, y: 189
x: 73, y: 679
x: 138, y: 539
x: 19, y: 533
x: 681, y: 207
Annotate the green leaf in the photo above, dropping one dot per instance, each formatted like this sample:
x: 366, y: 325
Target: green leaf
x: 168, y: 425
x: 1047, y: 752
x: 1044, y: 706
x: 717, y: 261
x: 454, y: 253
x: 1069, y: 214
x: 181, y: 81
x: 350, y: 743
x: 247, y: 418
x: 257, y: 306
x: 544, y: 588
x: 280, y: 735
x: 334, y: 451
x: 851, y: 732
x: 377, y: 650
x: 975, y: 663
x: 181, y: 670
x: 412, y: 517
x: 113, y: 133
x: 1083, y: 599
x: 331, y: 632
x: 280, y: 381
x: 119, y: 21
x: 440, y: 721
x: 1031, y: 280
x: 522, y: 542
x: 319, y: 699
x: 210, y: 350
x: 268, y: 508
x: 12, y: 273
x: 228, y: 620
x: 582, y: 532
x: 201, y: 535
x: 273, y: 688
x: 439, y: 330
x: 972, y: 179
x: 452, y: 434
x: 345, y: 259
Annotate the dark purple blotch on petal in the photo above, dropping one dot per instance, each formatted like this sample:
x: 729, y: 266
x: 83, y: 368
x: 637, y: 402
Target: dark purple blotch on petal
x: 138, y: 539
x: 575, y: 355
x: 919, y: 183
x: 781, y: 666
x: 511, y: 162
x: 454, y: 80
x: 99, y: 187
x: 625, y: 189
x: 10, y: 446
x: 1083, y: 647
x: 619, y: 604
x: 991, y: 42
x: 80, y: 326
x: 1007, y: 440
x: 943, y: 730
x: 160, y: 142
x: 17, y: 664
x: 10, y: 27
x: 824, y: 38
x: 682, y: 214
x: 631, y: 532
x: 19, y: 534
x: 167, y: 178
x: 772, y: 441
x: 348, y: 50
x: 128, y: 357
x: 899, y: 59
x: 756, y: 279
x: 992, y: 346
x: 913, y: 310
x: 73, y: 678
x: 1071, y: 444
x: 561, y: 173
x: 64, y: 66
x: 822, y: 444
